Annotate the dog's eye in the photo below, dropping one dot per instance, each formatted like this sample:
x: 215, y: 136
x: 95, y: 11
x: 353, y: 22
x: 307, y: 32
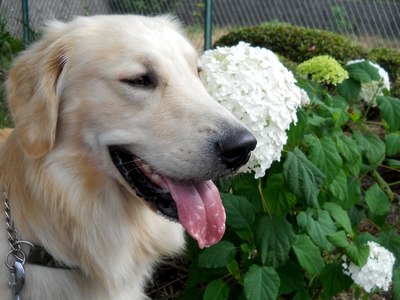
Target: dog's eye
x: 199, y: 70
x: 138, y: 81
x: 142, y: 80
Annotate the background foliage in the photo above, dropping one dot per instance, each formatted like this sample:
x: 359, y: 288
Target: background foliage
x: 330, y: 193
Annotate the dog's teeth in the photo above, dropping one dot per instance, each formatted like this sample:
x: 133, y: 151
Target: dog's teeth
x: 146, y: 168
x: 156, y: 178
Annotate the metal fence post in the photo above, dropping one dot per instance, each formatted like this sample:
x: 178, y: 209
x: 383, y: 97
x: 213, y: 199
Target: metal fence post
x: 208, y: 25
x: 25, y: 22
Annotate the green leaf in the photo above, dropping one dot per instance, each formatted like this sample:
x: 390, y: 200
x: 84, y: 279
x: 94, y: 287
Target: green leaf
x: 377, y: 201
x: 291, y: 277
x: 339, y: 239
x: 218, y: 255
x: 394, y: 163
x: 338, y: 188
x: 390, y: 111
x: 358, y: 254
x: 325, y: 157
x: 245, y: 185
x: 303, y: 178
x: 261, y: 283
x: 308, y: 255
x: 216, y: 290
x: 302, y: 295
x: 340, y: 216
x: 278, y: 197
x: 318, y: 228
x: 239, y: 211
x: 296, y: 131
x: 396, y: 283
x: 273, y: 238
x: 392, y: 141
x: 363, y: 71
x: 348, y: 149
x: 350, y: 89
x: 390, y: 239
x: 223, y: 184
x: 192, y: 293
x: 233, y: 267
x: 334, y: 280
x: 374, y: 147
x: 353, y: 194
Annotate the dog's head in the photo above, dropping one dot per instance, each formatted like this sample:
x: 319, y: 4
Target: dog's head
x: 126, y: 91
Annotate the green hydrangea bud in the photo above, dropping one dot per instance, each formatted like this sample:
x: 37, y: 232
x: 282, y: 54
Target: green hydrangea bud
x: 324, y: 68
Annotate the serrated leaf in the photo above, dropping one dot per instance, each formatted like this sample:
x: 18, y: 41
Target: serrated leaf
x: 302, y: 295
x: 201, y: 275
x: 334, y: 280
x: 377, y: 200
x: 358, y: 254
x: 374, y: 147
x: 261, y: 283
x: 239, y: 211
x: 291, y: 277
x: 390, y: 111
x: 350, y: 89
x: 216, y: 290
x: 317, y: 229
x: 308, y: 255
x: 223, y: 184
x: 338, y: 187
x: 273, y: 238
x: 278, y: 197
x: 353, y: 194
x: 218, y: 255
x: 233, y: 267
x: 340, y: 216
x: 390, y: 239
x: 396, y: 283
x: 348, y: 149
x: 303, y: 178
x: 392, y: 141
x: 339, y: 239
x: 296, y: 131
x: 363, y: 71
x: 245, y: 185
x: 325, y: 157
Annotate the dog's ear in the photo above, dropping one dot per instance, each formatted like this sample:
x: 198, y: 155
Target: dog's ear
x: 32, y: 98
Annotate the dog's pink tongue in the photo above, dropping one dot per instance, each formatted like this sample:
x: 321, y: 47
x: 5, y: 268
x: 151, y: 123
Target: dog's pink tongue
x: 200, y: 210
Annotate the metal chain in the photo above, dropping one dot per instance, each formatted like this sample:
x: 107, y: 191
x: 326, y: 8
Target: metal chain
x: 12, y: 236
x: 11, y: 232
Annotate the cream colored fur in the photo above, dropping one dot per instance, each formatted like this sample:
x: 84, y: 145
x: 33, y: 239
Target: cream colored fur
x: 69, y: 101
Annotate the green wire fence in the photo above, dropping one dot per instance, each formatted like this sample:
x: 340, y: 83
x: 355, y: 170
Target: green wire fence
x: 372, y: 23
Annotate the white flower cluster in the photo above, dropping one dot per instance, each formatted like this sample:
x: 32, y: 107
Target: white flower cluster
x: 259, y: 91
x: 368, y: 89
x: 376, y: 273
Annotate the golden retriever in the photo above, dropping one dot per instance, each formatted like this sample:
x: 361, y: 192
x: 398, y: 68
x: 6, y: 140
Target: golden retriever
x: 115, y: 144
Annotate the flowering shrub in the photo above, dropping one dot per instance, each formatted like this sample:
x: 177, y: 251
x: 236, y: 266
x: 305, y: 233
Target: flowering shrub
x: 239, y: 79
x: 287, y: 230
x: 376, y: 273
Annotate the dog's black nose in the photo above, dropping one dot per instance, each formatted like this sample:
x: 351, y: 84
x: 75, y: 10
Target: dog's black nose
x: 235, y: 148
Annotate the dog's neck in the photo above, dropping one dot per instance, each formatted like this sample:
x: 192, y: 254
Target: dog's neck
x: 37, y: 255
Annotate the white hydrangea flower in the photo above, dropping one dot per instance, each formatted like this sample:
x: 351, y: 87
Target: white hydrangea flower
x: 376, y: 273
x: 254, y: 85
x: 369, y: 89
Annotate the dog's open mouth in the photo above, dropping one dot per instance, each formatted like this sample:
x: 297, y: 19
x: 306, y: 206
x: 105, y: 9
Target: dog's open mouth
x: 197, y: 206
